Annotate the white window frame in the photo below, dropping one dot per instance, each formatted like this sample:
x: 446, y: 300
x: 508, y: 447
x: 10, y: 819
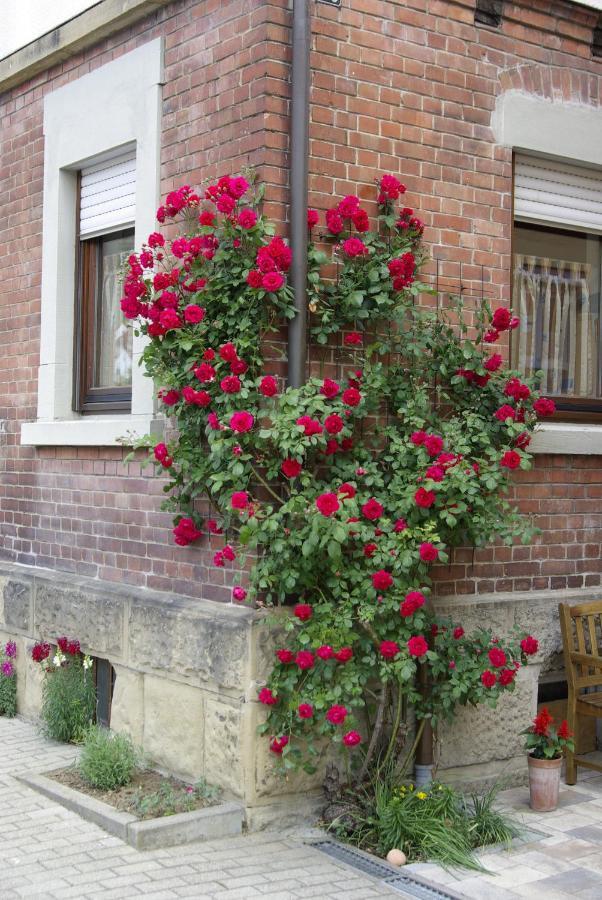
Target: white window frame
x: 573, y: 132
x: 116, y: 106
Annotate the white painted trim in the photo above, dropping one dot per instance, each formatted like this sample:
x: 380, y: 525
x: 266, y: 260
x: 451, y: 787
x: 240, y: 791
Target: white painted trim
x: 90, y: 431
x: 567, y: 437
x: 116, y: 105
x: 569, y: 131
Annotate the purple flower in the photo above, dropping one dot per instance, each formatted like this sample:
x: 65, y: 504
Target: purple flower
x: 7, y: 668
x: 11, y: 649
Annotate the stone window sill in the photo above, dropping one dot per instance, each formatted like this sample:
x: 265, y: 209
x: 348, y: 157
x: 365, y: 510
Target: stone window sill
x: 569, y: 438
x: 92, y: 431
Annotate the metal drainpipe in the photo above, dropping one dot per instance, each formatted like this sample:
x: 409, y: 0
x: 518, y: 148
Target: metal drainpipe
x: 298, y: 162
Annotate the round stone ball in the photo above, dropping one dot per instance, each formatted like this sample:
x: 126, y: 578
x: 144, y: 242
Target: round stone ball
x: 396, y: 857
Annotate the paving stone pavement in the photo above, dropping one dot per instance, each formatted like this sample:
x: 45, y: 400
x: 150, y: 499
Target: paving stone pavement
x: 48, y: 851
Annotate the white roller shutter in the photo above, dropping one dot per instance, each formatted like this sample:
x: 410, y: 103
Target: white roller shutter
x: 108, y: 194
x: 555, y: 192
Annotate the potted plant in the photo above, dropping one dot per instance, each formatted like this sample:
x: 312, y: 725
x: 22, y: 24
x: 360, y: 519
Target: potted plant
x: 546, y: 745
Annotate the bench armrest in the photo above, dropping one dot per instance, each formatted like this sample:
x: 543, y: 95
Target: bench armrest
x: 585, y: 659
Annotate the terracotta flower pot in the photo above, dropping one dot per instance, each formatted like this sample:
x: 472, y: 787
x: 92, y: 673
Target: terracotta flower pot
x: 544, y: 783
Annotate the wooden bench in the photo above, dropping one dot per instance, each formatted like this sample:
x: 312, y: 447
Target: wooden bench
x: 581, y: 628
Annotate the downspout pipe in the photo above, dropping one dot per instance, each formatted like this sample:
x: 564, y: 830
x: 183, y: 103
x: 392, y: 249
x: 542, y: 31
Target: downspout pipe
x: 298, y: 167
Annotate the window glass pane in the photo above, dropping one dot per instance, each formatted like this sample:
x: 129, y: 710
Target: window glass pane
x: 556, y: 294
x: 113, y: 362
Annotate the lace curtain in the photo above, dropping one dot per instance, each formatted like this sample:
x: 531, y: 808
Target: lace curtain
x: 114, y: 366
x: 558, y: 333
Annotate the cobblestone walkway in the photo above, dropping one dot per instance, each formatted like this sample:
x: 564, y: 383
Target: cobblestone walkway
x: 47, y: 851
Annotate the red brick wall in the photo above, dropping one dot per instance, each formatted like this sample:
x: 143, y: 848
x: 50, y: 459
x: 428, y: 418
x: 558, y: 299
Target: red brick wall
x: 404, y: 86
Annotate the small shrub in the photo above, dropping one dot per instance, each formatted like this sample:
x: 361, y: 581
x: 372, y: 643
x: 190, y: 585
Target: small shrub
x: 487, y: 825
x: 170, y: 799
x: 107, y: 760
x: 8, y: 681
x: 68, y: 693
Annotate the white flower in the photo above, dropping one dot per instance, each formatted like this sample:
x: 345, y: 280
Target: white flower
x: 87, y: 663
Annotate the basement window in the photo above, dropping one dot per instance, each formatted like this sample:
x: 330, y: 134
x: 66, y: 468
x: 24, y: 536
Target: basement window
x: 489, y: 12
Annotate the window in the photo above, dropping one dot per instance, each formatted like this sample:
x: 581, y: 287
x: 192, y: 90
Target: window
x: 103, y: 342
x: 557, y: 248
x: 102, y: 142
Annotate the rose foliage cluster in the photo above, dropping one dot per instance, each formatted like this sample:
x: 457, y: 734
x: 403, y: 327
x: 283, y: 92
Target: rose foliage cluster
x: 351, y: 487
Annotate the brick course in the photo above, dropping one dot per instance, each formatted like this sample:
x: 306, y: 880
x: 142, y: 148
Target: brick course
x: 403, y: 86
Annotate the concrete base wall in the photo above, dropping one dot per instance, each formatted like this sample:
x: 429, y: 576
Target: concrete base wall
x: 186, y: 679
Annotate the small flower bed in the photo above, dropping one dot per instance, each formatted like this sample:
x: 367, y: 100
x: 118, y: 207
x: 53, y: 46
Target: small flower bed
x: 435, y: 823
x: 8, y: 680
x: 68, y: 693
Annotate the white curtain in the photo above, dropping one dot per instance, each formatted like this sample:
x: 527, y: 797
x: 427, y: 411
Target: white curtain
x: 114, y: 366
x: 557, y: 333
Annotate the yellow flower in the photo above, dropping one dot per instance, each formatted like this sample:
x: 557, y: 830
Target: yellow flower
x: 421, y: 795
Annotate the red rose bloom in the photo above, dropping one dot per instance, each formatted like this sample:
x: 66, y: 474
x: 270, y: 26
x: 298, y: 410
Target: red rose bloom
x: 247, y: 218
x: 382, y: 580
x: 230, y: 384
x: 413, y: 601
x: 266, y: 697
x: 329, y: 388
x: 310, y: 426
x: 353, y: 339
x: 303, y: 611
x: 305, y: 711
x: 418, y: 437
x: 169, y: 398
x: 207, y: 218
x: 370, y: 550
x: 352, y: 739
x: 433, y: 444
x: 305, y: 659
x: 522, y: 441
x: 491, y: 336
x: 529, y: 645
x: 346, y: 491
x: 497, y: 657
x: 351, y: 397
x: 360, y: 220
x: 517, y: 390
x: 435, y: 473
x: 458, y: 632
x: 204, y: 372
x: 506, y: 677
x: 488, y: 678
x: 400, y: 525
x: 239, y: 500
x: 501, y: 319
x: 268, y: 386
x: 285, y: 656
x: 544, y: 407
x: 505, y: 412
x: 428, y: 552
x: 327, y: 504
x: 278, y: 744
x: 334, y: 223
x: 186, y: 532
x: 493, y: 363
x: 291, y: 468
x: 255, y: 278
x: 40, y: 651
x: 228, y: 352
x: 333, y: 424
x: 62, y: 643
x: 325, y: 652
x: 336, y: 715
x: 389, y: 649
x: 510, y: 460
x: 424, y: 498
x: 194, y: 314
x: 417, y: 646
x: 353, y: 247
x: 372, y: 509
x: 344, y: 654
x: 312, y: 218
x: 272, y: 281
x: 241, y: 422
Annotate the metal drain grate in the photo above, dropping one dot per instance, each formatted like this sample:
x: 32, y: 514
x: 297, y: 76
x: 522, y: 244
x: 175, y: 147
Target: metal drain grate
x: 406, y: 884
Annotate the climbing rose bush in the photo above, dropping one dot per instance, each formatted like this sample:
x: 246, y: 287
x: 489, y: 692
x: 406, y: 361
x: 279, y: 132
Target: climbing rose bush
x: 352, y: 487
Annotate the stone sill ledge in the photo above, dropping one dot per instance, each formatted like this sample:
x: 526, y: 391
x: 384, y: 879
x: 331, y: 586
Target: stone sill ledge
x: 83, y: 30
x: 568, y: 437
x: 91, y: 431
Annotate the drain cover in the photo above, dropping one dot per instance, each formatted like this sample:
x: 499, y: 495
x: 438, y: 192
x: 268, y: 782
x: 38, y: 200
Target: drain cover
x: 410, y: 885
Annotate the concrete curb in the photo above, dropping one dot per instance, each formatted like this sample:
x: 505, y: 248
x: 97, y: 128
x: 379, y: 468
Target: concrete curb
x: 224, y: 820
